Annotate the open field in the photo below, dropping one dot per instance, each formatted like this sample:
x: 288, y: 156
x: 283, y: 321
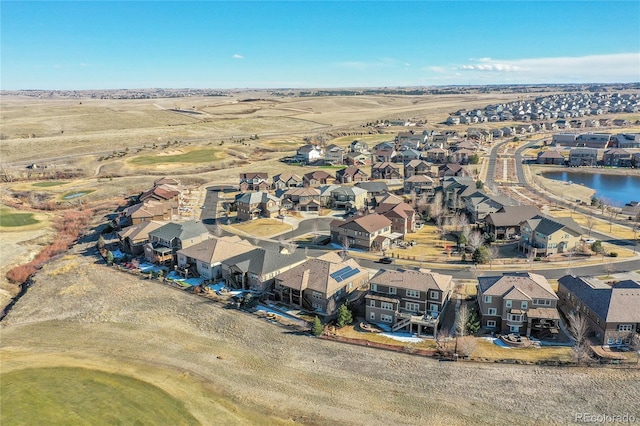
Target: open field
x: 181, y: 157
x: 62, y: 395
x: 260, y: 227
x: 11, y: 219
x: 228, y: 367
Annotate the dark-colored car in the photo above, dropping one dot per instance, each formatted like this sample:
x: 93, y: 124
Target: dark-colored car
x: 385, y: 260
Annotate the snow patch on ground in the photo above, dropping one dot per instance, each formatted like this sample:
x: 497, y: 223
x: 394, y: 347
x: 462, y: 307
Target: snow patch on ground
x: 403, y: 337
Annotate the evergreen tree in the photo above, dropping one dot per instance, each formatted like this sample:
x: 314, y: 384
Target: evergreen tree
x: 344, y: 316
x: 316, y: 327
x: 473, y: 323
x: 109, y: 258
x: 481, y: 255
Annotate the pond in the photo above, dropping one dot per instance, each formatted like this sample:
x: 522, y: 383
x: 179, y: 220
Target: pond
x: 617, y: 189
x: 76, y: 194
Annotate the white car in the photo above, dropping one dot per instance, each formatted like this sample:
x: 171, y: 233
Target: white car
x: 589, y: 241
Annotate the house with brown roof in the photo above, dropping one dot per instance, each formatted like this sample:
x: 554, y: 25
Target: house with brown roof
x: 505, y: 223
x: 436, y: 155
x: 416, y: 167
x: 544, y: 235
x: 321, y: 285
x: 133, y: 238
x: 162, y: 191
x: 318, y: 177
x: 304, y: 199
x: 254, y: 181
x: 617, y: 157
x: 370, y: 232
x: 409, y: 300
x: 419, y: 184
x: 204, y: 259
x: 384, y: 152
x: 385, y: 170
x: 165, y: 241
x: 451, y: 169
x: 253, y: 205
x: 287, y: 180
x: 358, y: 159
x: 147, y: 211
x: 551, y: 156
x: 612, y: 308
x: 461, y: 156
x: 402, y: 217
x: 351, y: 174
x: 519, y: 303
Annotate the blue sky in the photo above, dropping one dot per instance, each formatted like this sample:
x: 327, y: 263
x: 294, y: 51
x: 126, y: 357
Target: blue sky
x: 217, y: 44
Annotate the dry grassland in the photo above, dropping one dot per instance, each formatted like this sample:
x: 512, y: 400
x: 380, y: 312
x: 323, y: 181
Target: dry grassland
x: 233, y: 368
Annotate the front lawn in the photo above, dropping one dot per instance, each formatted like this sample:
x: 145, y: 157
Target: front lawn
x: 261, y: 227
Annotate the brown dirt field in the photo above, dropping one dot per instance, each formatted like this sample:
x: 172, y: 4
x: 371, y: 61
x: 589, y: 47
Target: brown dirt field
x: 231, y: 364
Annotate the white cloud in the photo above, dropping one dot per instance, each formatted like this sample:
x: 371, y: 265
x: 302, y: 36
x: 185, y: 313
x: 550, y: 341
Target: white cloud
x: 622, y: 67
x: 237, y: 56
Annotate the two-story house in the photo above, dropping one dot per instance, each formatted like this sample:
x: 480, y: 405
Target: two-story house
x: 351, y: 174
x: 334, y: 155
x: 165, y: 241
x: 416, y: 167
x: 505, y: 223
x: 419, y: 184
x: 370, y: 232
x: 582, y: 156
x: 318, y: 177
x: 401, y: 215
x: 287, y: 180
x: 545, y: 235
x: 253, y: 205
x: 204, y: 259
x: 612, y: 308
x: 384, y: 152
x: 409, y: 300
x: 309, y: 154
x: 304, y: 199
x: 616, y: 157
x: 385, y: 170
x: 520, y: 303
x: 133, y: 238
x: 254, y: 181
x: 321, y: 284
x: 348, y: 198
x: 147, y: 211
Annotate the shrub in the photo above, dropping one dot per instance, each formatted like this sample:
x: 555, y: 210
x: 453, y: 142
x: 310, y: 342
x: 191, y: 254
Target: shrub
x: 613, y: 254
x: 316, y: 327
x: 344, y: 316
x: 537, y: 259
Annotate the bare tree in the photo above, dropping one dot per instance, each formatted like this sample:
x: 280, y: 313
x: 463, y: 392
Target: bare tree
x: 578, y: 328
x: 460, y: 221
x: 462, y: 318
x: 590, y: 223
x: 475, y: 240
x: 494, y: 253
x: 314, y: 230
x: 422, y: 205
x: 444, y: 342
x: 344, y: 253
x: 467, y: 345
x: 436, y: 209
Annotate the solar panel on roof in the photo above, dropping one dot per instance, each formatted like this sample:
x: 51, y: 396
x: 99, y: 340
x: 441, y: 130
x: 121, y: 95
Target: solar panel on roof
x: 344, y: 273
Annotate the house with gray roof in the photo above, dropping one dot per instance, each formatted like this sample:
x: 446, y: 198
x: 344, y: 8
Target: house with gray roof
x: 348, y: 198
x: 165, y: 241
x: 253, y: 205
x: 612, y: 307
x: 505, y: 223
x: 545, y: 235
x: 322, y: 284
x: 479, y: 204
x: 409, y: 300
x: 133, y: 238
x: 256, y: 270
x: 520, y: 303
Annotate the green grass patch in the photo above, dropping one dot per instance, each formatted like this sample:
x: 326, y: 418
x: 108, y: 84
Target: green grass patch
x: 69, y: 396
x: 48, y: 183
x: 333, y: 167
x: 192, y: 157
x: 12, y: 219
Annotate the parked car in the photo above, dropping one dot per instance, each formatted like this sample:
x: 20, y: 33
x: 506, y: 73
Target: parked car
x: 385, y: 260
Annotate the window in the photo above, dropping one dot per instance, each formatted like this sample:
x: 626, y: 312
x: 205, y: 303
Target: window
x: 545, y: 302
x: 386, y: 305
x: 491, y: 323
x: 610, y: 341
x: 386, y: 318
x: 625, y: 327
x: 413, y: 293
x: 434, y: 308
x: 514, y: 329
x: 433, y: 294
x: 487, y: 299
x: 410, y: 306
x: 507, y: 303
x: 372, y: 303
x: 374, y: 287
x: 492, y: 311
x: 517, y: 318
x: 524, y: 304
x: 392, y: 290
x: 372, y: 316
x: 317, y: 295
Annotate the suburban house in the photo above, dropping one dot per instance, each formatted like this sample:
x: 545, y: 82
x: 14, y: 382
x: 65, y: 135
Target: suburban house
x: 416, y: 167
x: 165, y: 241
x: 436, y: 155
x: 409, y: 300
x: 461, y: 156
x: 406, y: 155
x: 551, y: 156
x: 373, y: 189
x: 401, y: 215
x: 321, y: 284
x: 452, y: 169
x: 254, y: 181
x: 419, y: 184
x: 348, y: 198
x: 334, y: 155
x: 147, y: 211
x: 616, y: 157
x: 543, y: 235
x: 611, y: 308
x: 359, y: 146
x: 385, y: 170
x: 520, y: 303
x: 309, y: 154
x: 583, y: 157
x: 479, y: 204
x: 133, y: 238
x: 287, y: 180
x: 164, y: 189
x: 304, y: 199
x: 351, y: 174
x: 370, y: 232
x: 358, y: 159
x: 454, y: 191
x: 505, y: 223
x: 384, y: 152
x: 204, y: 259
x: 256, y: 270
x: 318, y: 177
x: 253, y: 205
